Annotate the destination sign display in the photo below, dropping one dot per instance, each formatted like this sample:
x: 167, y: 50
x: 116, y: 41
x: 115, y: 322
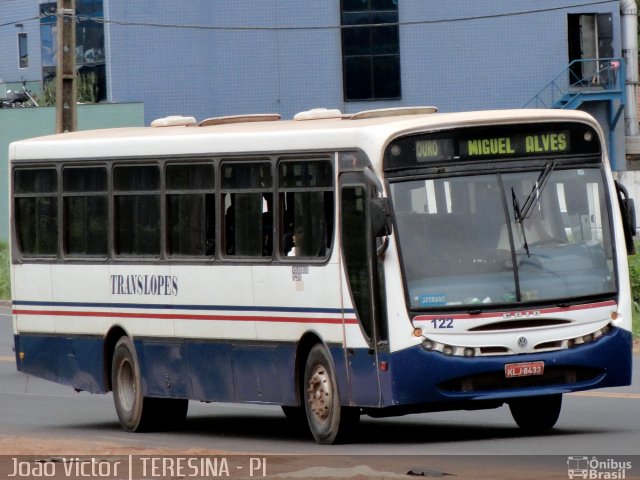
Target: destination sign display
x: 549, y: 142
x: 493, y: 143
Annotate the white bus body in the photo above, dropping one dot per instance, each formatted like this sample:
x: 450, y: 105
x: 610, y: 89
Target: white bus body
x: 117, y: 283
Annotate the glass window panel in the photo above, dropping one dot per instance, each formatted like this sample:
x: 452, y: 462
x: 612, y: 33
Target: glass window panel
x: 360, y: 18
x: 191, y: 224
x: 355, y: 5
x: 85, y: 225
x: 356, y: 41
x: 37, y: 225
x: 307, y: 224
x: 23, y: 50
x: 386, y: 76
x: 384, y: 40
x: 567, y: 253
x: 137, y: 225
x: 357, y: 78
x: 35, y: 181
x: 248, y: 224
x: 84, y: 179
x: 136, y: 178
x: 246, y: 175
x: 190, y: 177
x: 460, y: 247
x: 306, y: 174
x: 384, y: 5
x: 356, y: 253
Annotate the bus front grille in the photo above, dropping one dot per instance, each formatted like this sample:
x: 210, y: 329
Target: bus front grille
x: 486, y: 382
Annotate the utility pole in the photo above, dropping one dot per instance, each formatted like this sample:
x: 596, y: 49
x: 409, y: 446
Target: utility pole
x: 66, y: 66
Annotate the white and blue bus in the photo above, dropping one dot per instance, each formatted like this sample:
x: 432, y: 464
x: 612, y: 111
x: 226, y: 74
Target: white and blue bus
x: 382, y: 263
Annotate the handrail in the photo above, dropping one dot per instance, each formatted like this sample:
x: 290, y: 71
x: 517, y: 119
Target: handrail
x: 606, y: 75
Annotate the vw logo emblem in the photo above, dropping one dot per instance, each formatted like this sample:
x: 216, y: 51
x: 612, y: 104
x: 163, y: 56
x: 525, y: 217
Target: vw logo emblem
x: 522, y: 342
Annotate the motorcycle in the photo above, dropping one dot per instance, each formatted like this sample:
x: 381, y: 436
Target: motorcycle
x: 14, y: 99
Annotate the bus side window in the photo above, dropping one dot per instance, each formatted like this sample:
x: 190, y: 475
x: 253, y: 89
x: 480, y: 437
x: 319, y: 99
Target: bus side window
x: 137, y: 210
x: 190, y: 210
x: 85, y: 211
x: 247, y: 201
x: 306, y: 208
x: 36, y: 211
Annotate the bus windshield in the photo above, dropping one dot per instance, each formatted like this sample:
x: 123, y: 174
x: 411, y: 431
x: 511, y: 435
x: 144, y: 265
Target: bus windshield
x: 513, y: 237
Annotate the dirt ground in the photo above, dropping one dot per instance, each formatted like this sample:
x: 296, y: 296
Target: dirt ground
x: 305, y: 467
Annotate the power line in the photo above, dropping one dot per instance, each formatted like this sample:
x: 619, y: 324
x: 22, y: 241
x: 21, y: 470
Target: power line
x: 316, y: 27
x: 338, y: 27
x: 15, y: 22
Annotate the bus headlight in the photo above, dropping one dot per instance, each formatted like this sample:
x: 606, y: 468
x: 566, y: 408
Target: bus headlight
x: 427, y: 345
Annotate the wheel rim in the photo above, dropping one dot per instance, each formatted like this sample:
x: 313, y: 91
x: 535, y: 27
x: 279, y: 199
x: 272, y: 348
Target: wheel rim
x: 126, y: 385
x: 320, y: 393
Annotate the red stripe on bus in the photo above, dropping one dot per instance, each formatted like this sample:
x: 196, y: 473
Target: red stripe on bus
x: 181, y: 316
x: 467, y: 316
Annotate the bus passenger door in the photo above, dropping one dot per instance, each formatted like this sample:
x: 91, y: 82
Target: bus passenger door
x: 365, y: 339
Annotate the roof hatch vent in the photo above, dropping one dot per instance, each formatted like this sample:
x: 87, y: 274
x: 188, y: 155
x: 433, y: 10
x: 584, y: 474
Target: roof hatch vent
x: 393, y: 112
x: 254, y: 117
x: 318, y: 114
x: 174, y: 121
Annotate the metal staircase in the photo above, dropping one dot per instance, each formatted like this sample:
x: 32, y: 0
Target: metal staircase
x: 587, y: 80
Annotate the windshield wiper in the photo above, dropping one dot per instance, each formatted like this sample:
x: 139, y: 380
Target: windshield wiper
x: 517, y: 214
x: 532, y: 200
x: 534, y: 196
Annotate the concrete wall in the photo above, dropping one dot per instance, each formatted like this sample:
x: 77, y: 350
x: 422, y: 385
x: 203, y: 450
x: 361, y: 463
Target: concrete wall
x: 213, y: 57
x: 285, y: 56
x: 25, y: 13
x: 457, y: 55
x: 21, y: 123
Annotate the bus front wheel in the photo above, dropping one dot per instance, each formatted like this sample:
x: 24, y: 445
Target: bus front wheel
x: 136, y: 412
x: 536, y: 414
x: 329, y: 422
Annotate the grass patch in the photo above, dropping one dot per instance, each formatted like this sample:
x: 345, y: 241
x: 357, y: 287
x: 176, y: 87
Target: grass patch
x: 634, y: 278
x: 5, y: 281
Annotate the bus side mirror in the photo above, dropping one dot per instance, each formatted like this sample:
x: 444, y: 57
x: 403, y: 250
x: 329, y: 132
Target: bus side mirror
x: 380, y: 217
x: 628, y: 212
x: 629, y: 209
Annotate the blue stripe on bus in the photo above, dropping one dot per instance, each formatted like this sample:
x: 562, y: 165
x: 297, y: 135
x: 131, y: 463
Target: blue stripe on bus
x: 205, y: 370
x: 225, y: 308
x: 264, y: 372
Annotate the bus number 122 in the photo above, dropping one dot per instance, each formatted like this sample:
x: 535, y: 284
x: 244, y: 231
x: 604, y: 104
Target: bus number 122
x: 442, y: 322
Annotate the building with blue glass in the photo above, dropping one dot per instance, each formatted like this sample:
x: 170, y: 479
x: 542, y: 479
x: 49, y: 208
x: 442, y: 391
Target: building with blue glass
x: 208, y: 58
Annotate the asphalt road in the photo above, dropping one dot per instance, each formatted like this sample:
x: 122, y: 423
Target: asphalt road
x: 602, y: 422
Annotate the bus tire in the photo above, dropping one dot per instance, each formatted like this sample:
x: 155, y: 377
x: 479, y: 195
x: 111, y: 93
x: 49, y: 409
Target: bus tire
x: 136, y: 412
x: 127, y: 386
x: 328, y: 421
x: 536, y: 414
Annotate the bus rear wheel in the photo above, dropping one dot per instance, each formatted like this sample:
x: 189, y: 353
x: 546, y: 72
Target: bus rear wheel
x: 536, y: 414
x: 136, y: 412
x: 329, y: 422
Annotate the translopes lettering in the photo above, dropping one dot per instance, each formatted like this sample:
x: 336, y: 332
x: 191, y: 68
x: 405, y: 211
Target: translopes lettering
x: 144, y: 285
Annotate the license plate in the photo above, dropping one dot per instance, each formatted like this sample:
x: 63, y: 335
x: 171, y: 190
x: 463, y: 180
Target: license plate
x: 525, y: 369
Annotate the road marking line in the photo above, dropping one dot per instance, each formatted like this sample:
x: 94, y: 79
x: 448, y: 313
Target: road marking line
x: 634, y: 396
x: 7, y: 359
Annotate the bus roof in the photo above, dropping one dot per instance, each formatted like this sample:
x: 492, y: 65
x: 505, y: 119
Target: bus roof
x: 370, y: 134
